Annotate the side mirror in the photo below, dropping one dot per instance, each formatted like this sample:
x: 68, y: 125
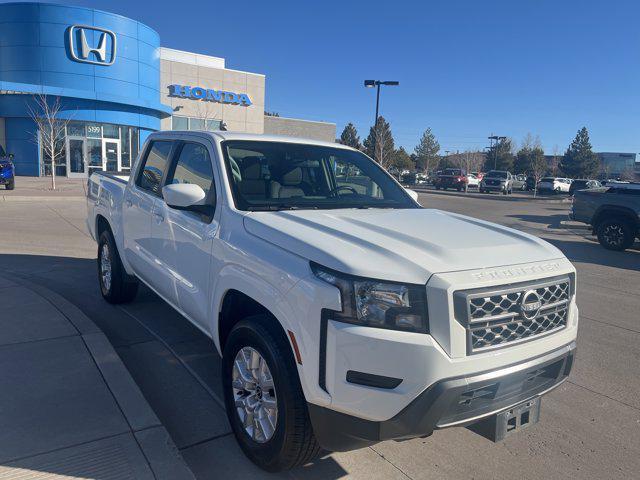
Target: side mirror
x: 412, y: 193
x: 183, y: 195
x: 11, y: 156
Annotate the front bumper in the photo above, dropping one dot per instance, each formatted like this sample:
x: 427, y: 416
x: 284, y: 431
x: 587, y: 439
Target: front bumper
x: 494, y: 188
x: 458, y: 401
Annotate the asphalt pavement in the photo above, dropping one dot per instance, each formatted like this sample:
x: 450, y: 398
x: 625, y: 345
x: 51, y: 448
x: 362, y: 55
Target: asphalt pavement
x: 589, y: 427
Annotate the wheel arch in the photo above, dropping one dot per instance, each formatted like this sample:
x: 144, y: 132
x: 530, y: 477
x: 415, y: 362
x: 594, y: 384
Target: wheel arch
x: 610, y: 211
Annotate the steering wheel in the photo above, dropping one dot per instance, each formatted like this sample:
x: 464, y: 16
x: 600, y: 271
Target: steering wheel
x: 343, y: 187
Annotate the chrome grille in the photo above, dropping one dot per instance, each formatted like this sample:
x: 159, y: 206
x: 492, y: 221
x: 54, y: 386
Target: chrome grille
x: 497, y: 317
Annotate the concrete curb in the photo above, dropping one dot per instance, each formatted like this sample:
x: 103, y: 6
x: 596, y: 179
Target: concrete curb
x: 571, y: 225
x: 475, y: 194
x: 40, y: 198
x: 153, y: 439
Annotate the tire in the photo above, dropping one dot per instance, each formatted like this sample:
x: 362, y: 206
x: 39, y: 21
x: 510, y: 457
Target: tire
x: 504, y: 192
x: 115, y: 285
x: 11, y: 185
x: 292, y: 442
x: 616, y: 234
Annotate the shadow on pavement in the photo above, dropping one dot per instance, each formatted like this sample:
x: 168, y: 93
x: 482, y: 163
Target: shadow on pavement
x: 176, y: 366
x: 551, y: 221
x: 594, y: 253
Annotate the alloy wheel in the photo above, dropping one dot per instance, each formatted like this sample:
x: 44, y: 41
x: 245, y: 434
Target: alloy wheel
x: 614, y: 235
x: 254, y: 395
x: 105, y: 267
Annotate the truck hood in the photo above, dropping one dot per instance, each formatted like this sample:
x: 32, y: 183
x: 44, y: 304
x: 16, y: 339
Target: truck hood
x: 398, y: 245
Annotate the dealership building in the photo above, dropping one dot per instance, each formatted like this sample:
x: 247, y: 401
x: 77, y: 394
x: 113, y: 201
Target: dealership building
x: 115, y: 84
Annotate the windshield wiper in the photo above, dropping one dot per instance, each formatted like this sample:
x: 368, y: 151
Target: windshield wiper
x: 279, y: 207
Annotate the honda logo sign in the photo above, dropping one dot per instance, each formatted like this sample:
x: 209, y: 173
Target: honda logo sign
x: 99, y: 49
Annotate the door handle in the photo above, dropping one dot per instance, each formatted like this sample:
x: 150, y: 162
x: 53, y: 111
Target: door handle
x: 159, y: 218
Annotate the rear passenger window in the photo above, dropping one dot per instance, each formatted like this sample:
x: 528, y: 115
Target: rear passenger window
x: 194, y: 167
x: 154, y: 166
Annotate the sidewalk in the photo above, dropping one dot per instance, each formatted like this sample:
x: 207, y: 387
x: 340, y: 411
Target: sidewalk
x: 39, y: 188
x: 68, y: 406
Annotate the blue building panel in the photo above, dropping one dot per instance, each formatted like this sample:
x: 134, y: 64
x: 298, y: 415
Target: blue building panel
x: 57, y: 50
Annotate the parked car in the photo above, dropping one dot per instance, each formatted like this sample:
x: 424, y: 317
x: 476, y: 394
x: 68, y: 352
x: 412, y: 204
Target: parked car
x: 497, y: 181
x: 519, y: 182
x: 345, y: 313
x: 421, y: 178
x: 583, y: 184
x: 452, y: 178
x: 7, y: 170
x: 472, y: 180
x: 554, y: 185
x: 613, y: 213
x: 479, y: 175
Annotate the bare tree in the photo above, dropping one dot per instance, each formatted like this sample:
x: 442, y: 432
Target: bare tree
x: 205, y: 112
x: 50, y: 133
x: 628, y: 174
x: 469, y: 160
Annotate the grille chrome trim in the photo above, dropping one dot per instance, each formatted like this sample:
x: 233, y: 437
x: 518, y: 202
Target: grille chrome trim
x: 494, y: 317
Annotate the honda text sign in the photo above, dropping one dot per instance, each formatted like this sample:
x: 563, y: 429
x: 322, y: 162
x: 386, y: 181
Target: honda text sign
x: 92, y: 45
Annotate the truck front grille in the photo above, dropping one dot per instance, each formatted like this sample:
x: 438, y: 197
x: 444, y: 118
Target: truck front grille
x: 500, y: 316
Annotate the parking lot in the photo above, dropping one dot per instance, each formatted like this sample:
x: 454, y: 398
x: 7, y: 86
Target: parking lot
x: 589, y: 427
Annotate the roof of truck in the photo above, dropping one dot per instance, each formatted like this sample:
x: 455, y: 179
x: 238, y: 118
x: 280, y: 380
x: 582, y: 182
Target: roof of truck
x: 223, y: 135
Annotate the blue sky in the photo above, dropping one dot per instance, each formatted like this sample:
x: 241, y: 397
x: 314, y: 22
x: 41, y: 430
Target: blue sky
x: 466, y: 68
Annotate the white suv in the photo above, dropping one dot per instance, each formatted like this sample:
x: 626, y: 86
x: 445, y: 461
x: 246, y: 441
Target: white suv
x: 345, y: 313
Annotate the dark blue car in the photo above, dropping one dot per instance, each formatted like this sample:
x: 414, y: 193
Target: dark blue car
x: 7, y: 170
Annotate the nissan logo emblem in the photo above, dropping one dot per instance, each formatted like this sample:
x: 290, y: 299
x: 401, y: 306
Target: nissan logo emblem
x: 530, y: 304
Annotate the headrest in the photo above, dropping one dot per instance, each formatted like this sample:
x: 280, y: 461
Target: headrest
x: 252, y: 168
x: 294, y: 177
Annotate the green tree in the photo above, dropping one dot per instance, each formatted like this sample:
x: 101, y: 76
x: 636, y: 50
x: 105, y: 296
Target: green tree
x: 349, y: 137
x: 579, y: 160
x: 402, y: 160
x: 426, y: 151
x: 380, y: 145
x: 500, y: 156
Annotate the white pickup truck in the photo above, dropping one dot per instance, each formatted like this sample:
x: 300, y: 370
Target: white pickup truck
x: 345, y: 313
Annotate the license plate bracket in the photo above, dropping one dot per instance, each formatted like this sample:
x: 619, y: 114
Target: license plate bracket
x: 497, y: 427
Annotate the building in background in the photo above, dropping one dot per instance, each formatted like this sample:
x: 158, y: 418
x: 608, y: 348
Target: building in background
x: 619, y: 165
x: 116, y: 85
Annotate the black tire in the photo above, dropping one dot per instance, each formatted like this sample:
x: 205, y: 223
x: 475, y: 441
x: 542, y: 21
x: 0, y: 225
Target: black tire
x: 120, y: 288
x: 292, y: 443
x: 504, y: 192
x: 11, y: 185
x: 616, y: 233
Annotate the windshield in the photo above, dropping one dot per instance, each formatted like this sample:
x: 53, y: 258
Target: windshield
x: 452, y: 171
x: 496, y: 174
x: 282, y: 176
x: 547, y: 180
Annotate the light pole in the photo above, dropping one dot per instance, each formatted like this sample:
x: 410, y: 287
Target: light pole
x: 372, y: 84
x: 497, y: 138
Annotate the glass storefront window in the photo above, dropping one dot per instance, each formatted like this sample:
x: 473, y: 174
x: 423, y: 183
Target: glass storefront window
x: 213, y: 125
x: 180, y: 123
x: 196, y: 124
x: 190, y: 123
x: 125, y: 146
x: 110, y: 131
x: 75, y: 129
x: 94, y: 130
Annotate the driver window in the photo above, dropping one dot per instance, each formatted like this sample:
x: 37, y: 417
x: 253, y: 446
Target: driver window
x: 194, y: 167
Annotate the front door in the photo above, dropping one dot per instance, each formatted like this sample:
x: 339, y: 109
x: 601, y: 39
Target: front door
x: 111, y: 155
x: 76, y: 157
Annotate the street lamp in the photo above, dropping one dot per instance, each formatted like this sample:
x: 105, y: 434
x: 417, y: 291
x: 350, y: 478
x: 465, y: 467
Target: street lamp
x: 377, y: 83
x: 498, y: 139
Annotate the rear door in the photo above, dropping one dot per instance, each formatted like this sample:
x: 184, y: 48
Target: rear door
x: 137, y: 211
x: 185, y: 238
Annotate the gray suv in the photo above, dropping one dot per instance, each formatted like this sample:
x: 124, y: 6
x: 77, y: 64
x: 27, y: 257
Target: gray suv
x: 613, y: 213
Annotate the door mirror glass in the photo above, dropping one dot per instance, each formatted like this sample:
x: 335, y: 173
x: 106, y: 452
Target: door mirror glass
x: 412, y: 193
x: 183, y: 195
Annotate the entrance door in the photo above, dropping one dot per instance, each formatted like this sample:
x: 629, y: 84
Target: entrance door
x: 76, y: 157
x: 111, y: 161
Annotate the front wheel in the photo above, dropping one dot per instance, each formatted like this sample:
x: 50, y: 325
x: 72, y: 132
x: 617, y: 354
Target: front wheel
x: 11, y: 185
x: 616, y: 234
x: 263, y: 397
x: 115, y: 285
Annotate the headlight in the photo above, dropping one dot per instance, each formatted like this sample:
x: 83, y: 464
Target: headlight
x: 373, y: 303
